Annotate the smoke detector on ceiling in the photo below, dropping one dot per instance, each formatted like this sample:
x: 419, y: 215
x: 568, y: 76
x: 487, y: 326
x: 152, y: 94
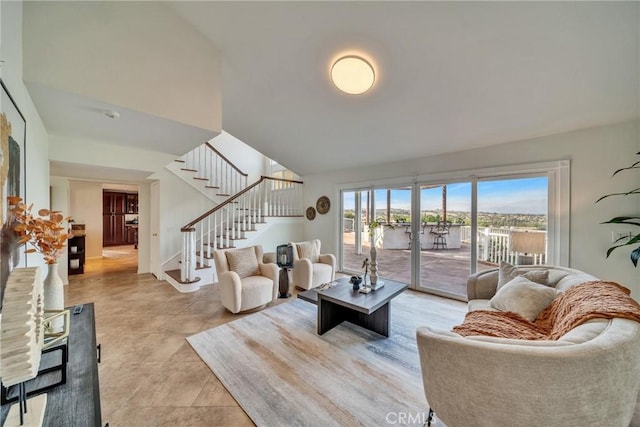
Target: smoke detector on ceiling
x: 112, y: 114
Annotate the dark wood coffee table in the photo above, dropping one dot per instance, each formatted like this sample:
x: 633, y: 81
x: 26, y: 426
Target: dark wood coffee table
x: 339, y: 303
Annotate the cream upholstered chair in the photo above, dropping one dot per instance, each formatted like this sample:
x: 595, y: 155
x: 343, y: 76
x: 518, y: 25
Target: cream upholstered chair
x: 588, y: 377
x: 245, y: 281
x: 310, y: 267
x: 485, y: 381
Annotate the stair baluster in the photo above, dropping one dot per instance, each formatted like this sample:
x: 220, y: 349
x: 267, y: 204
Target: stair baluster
x: 228, y: 222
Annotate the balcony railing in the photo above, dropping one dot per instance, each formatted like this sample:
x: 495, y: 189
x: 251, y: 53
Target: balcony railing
x: 515, y: 246
x: 504, y: 244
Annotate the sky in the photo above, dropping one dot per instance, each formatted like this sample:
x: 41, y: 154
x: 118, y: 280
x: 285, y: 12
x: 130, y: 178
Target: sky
x: 514, y: 196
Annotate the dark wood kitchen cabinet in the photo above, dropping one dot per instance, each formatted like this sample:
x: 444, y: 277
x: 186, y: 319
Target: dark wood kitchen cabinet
x: 113, y: 230
x: 114, y: 203
x: 114, y: 208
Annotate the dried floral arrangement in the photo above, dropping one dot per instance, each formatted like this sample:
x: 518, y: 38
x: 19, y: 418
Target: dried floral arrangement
x: 45, y: 232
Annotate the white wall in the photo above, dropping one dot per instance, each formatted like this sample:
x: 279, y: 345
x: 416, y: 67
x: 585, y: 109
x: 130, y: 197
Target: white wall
x: 144, y: 211
x: 60, y: 201
x: 280, y: 234
x: 240, y: 154
x: 137, y: 55
x: 179, y: 204
x: 86, y: 208
x: 37, y: 149
x: 130, y: 188
x: 101, y: 153
x: 594, y: 154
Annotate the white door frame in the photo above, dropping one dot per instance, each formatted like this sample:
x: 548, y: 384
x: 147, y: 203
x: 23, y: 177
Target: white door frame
x: 154, y: 230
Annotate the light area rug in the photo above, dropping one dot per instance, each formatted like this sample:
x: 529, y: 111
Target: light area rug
x: 283, y: 374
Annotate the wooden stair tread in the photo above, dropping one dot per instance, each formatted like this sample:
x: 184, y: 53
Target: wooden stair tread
x: 200, y: 178
x: 211, y: 186
x: 231, y: 239
x: 205, y: 256
x: 198, y: 266
x: 175, y: 275
x: 188, y: 170
x: 179, y: 161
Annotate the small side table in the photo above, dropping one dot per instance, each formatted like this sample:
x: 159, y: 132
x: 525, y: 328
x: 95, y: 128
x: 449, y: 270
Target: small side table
x: 283, y: 287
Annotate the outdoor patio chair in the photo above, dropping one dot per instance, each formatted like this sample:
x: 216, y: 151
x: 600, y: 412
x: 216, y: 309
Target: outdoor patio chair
x: 440, y: 233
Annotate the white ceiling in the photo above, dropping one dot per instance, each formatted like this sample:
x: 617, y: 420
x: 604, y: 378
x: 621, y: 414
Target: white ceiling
x: 80, y: 117
x: 97, y: 173
x: 450, y: 76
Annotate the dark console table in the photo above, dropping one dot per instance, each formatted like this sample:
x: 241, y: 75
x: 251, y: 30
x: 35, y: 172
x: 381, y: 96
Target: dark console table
x: 77, y: 401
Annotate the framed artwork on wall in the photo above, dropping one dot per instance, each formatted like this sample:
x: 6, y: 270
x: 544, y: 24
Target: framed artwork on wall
x: 13, y: 135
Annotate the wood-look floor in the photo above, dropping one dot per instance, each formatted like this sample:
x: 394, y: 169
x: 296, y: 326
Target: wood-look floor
x: 149, y: 375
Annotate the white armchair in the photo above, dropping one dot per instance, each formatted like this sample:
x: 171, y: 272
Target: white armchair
x: 245, y: 281
x: 310, y: 267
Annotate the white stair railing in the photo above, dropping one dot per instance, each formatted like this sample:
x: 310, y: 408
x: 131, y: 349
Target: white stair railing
x: 229, y: 221
x: 213, y: 167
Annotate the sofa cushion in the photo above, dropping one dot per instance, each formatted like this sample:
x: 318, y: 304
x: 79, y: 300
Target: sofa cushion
x: 508, y: 272
x: 523, y: 296
x: 243, y: 261
x: 479, y: 304
x: 586, y: 332
x: 308, y: 250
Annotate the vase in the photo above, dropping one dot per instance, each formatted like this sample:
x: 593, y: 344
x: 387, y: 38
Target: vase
x: 373, y: 266
x: 54, y: 294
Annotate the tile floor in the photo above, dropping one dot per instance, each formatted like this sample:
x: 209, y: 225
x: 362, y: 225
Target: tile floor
x: 149, y: 375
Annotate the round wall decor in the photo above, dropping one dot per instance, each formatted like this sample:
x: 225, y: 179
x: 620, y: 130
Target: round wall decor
x: 323, y: 204
x: 311, y: 213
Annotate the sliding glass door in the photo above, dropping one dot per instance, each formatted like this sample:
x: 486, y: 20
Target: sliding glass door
x: 512, y: 221
x: 445, y: 228
x: 355, y: 214
x: 382, y: 217
x: 433, y: 234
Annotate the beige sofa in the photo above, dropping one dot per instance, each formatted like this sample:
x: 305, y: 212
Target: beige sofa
x: 589, y: 377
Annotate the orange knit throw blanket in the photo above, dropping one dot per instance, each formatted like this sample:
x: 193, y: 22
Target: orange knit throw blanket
x: 576, y: 305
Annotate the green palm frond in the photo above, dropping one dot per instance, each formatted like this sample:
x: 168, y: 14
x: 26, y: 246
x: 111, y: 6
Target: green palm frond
x: 625, y: 220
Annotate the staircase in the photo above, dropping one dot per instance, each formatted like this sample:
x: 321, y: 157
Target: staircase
x: 209, y: 172
x: 242, y: 213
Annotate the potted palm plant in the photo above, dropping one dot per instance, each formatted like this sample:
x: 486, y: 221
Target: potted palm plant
x: 630, y: 239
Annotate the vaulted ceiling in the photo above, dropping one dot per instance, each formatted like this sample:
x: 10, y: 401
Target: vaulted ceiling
x: 449, y: 75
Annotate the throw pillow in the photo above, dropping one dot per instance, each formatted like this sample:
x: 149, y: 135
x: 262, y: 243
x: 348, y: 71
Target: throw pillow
x: 243, y: 261
x: 524, y: 297
x: 308, y: 250
x: 508, y: 272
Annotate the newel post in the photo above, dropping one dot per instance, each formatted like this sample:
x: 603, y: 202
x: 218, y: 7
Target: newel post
x: 188, y: 257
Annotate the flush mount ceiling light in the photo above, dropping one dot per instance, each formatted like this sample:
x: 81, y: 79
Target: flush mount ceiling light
x: 353, y: 75
x: 112, y: 114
